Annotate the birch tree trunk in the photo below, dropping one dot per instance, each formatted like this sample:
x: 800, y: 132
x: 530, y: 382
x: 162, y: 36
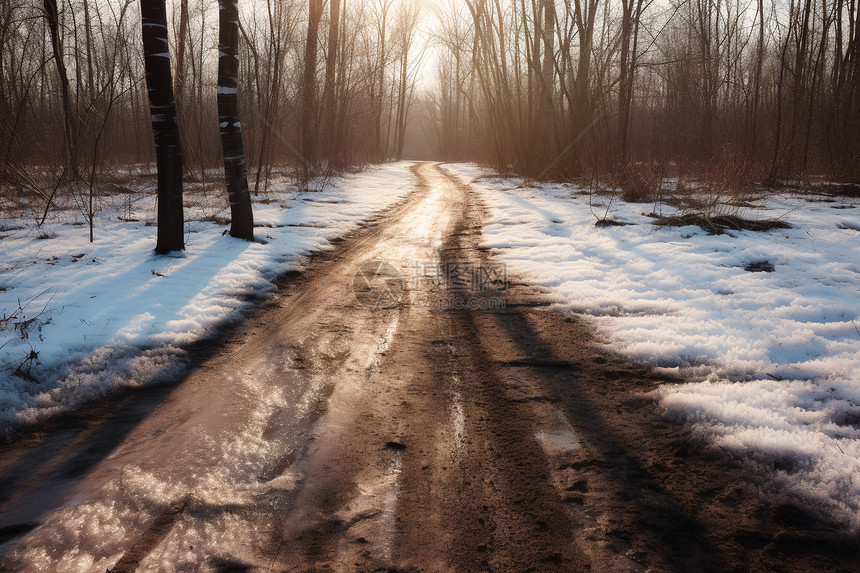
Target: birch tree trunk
x: 241, y: 214
x: 162, y: 106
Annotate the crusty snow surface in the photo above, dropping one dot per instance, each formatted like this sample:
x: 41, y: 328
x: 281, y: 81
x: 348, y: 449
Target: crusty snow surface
x: 771, y: 360
x: 112, y: 314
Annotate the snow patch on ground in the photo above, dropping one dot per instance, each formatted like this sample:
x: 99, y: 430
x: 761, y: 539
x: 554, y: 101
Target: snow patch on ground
x: 772, y: 358
x: 112, y: 314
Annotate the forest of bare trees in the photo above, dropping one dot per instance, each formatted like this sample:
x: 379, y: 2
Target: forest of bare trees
x: 322, y: 86
x: 768, y: 91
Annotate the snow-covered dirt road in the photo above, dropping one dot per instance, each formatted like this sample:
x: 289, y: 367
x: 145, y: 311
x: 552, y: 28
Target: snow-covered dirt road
x: 400, y: 405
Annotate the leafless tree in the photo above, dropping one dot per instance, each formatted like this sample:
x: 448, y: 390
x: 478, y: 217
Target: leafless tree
x: 53, y: 20
x: 309, y: 89
x: 165, y: 130
x: 241, y: 216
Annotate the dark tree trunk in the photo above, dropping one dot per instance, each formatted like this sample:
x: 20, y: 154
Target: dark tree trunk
x: 330, y: 87
x: 179, y: 86
x: 400, y: 119
x: 89, y: 37
x: 53, y: 17
x: 309, y: 87
x: 162, y: 106
x: 631, y: 12
x: 241, y: 215
x: 380, y: 146
x: 548, y: 127
x: 759, y: 66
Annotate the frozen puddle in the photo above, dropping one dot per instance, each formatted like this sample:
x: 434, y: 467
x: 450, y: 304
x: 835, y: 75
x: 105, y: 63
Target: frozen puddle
x: 561, y: 439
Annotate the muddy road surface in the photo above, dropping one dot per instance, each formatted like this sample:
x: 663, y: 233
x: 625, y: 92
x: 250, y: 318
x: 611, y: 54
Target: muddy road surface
x: 400, y: 405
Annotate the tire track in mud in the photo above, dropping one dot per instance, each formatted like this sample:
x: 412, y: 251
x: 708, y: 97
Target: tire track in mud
x: 528, y: 445
x: 439, y: 466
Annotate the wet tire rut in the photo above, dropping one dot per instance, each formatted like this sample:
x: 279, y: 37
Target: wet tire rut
x: 439, y: 467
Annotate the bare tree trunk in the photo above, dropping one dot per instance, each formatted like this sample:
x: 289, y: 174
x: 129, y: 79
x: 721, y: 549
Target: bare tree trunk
x: 400, y: 116
x: 168, y: 151
x: 775, y: 160
x: 330, y: 108
x: 624, y: 69
x: 180, y: 81
x: 52, y: 17
x: 800, y: 74
x: 817, y: 72
x: 759, y: 64
x: 581, y: 117
x: 630, y: 20
x: 548, y: 74
x: 381, y: 146
x: 88, y: 32
x: 241, y: 215
x: 309, y: 87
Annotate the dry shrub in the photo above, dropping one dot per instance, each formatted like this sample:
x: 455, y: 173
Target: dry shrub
x: 845, y: 190
x: 716, y: 224
x: 715, y: 195
x: 639, y: 182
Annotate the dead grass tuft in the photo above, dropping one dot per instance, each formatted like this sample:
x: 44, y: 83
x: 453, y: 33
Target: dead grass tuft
x: 610, y: 223
x: 639, y: 182
x: 718, y: 224
x: 845, y: 190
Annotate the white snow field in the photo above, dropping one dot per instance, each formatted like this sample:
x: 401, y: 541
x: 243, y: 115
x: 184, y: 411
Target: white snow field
x: 771, y: 360
x: 112, y: 314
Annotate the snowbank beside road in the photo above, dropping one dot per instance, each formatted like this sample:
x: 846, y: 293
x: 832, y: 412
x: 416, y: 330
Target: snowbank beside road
x: 773, y: 358
x: 100, y: 316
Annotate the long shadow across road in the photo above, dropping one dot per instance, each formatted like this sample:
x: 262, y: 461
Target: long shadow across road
x: 42, y: 464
